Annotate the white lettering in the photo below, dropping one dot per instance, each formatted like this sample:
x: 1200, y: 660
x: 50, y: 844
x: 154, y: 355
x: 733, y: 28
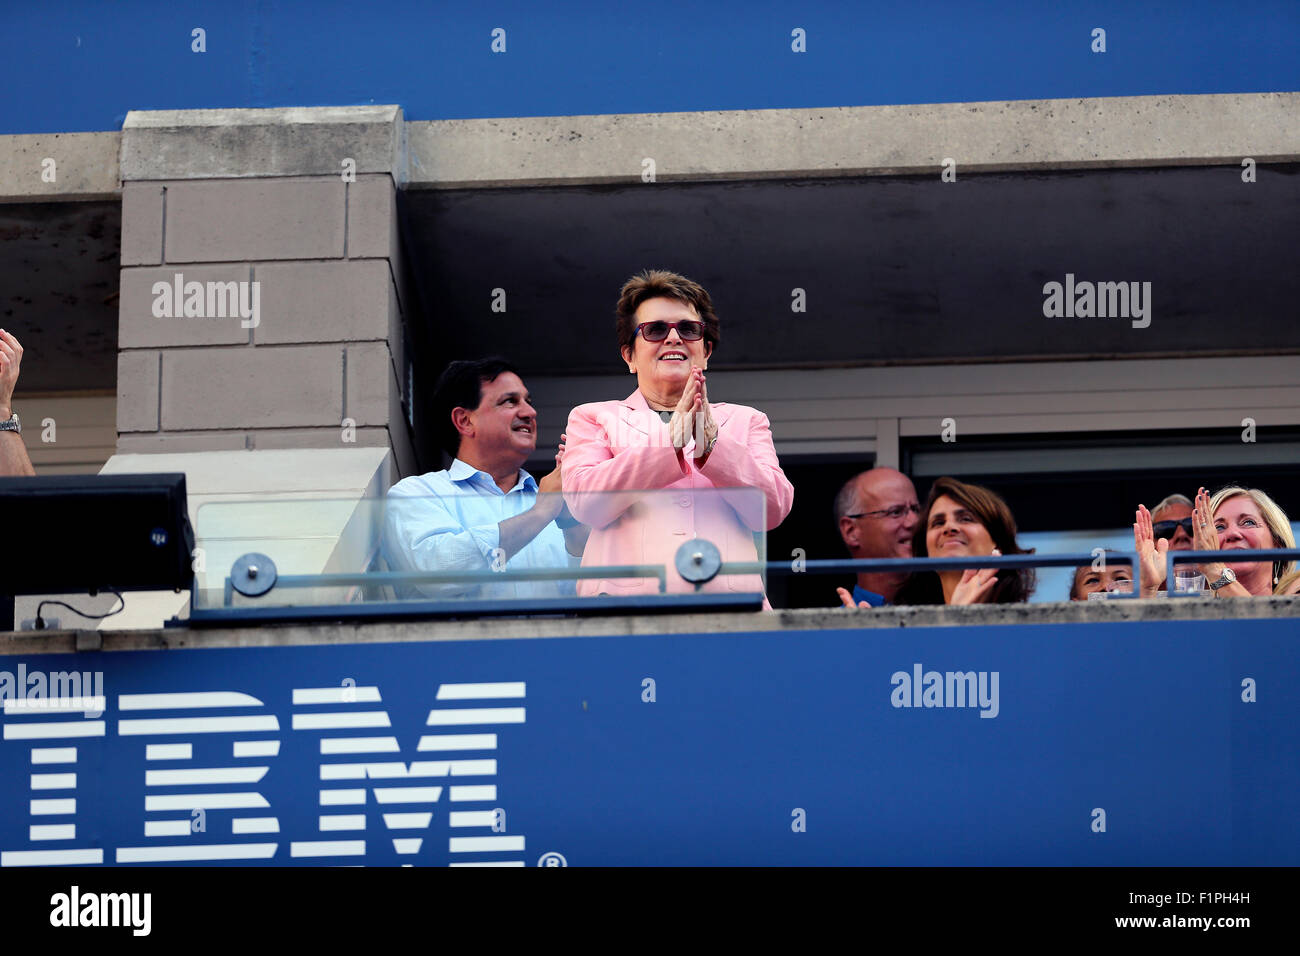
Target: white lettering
x: 134, y: 910
x: 922, y: 688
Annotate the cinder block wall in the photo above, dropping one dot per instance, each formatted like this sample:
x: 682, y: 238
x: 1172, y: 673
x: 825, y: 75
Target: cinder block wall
x: 324, y: 365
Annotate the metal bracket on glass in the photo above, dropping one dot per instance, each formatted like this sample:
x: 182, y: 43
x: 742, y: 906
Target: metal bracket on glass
x: 253, y: 574
x: 698, y: 561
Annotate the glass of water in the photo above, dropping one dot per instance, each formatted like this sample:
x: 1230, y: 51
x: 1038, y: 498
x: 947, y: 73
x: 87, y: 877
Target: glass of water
x: 1189, y: 580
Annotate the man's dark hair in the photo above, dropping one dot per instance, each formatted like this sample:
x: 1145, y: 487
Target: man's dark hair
x: 461, y: 386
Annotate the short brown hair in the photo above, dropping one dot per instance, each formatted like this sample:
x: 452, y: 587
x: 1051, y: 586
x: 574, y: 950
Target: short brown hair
x: 658, y: 284
x: 1013, y: 586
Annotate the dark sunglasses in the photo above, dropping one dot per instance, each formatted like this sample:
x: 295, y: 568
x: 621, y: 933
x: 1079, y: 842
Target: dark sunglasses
x: 689, y: 330
x: 1167, y: 529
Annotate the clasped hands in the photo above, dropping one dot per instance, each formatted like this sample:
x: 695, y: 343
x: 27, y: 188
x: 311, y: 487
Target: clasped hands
x: 693, y: 416
x: 551, y: 486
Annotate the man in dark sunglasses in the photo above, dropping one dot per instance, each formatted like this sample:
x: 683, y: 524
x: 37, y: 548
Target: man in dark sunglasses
x: 1172, y: 519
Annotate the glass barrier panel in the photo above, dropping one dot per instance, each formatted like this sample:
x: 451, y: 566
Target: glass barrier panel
x: 519, y: 548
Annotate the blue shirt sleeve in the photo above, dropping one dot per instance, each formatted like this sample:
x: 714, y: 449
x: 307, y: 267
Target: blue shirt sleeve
x: 421, y: 534
x: 871, y: 597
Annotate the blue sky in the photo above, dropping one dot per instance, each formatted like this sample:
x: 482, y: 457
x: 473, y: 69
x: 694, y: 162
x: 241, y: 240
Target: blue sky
x: 79, y: 66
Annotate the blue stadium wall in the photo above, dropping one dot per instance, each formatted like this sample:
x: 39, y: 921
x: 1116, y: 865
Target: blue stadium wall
x: 1160, y: 743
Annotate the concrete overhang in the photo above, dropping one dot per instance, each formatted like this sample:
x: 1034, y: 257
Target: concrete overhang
x: 1131, y: 131
x: 1100, y: 132
x: 85, y: 167
x: 544, y: 628
x: 258, y: 143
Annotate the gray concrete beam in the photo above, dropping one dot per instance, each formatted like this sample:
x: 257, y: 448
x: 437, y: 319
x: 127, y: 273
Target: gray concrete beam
x: 732, y: 144
x: 261, y: 143
x: 84, y: 167
x: 812, y: 619
x: 1125, y: 131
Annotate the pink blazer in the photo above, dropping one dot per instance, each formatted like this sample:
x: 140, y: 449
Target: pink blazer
x: 625, y: 446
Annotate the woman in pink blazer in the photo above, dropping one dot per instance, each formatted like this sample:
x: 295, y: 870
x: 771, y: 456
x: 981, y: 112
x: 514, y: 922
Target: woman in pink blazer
x: 668, y: 438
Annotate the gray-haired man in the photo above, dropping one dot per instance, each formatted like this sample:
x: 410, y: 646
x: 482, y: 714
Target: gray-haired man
x: 1172, y: 519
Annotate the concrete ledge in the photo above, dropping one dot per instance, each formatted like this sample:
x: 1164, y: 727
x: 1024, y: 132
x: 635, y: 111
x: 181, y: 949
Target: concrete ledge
x: 249, y: 143
x: 85, y: 167
x: 855, y: 141
x: 287, y: 635
x: 733, y: 144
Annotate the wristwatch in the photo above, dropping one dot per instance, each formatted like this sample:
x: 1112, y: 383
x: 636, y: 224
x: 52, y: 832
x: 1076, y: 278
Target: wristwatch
x: 11, y: 424
x: 1226, y: 578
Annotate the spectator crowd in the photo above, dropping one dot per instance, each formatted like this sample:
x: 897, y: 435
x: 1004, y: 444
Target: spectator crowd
x: 637, y: 477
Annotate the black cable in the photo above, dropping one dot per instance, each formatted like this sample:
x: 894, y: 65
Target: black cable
x: 40, y: 623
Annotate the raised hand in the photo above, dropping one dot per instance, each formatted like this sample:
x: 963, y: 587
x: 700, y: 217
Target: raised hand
x: 1205, y: 537
x: 976, y: 585
x: 1151, y: 553
x: 682, y: 425
x: 706, y: 428
x: 11, y: 356
x: 549, y: 498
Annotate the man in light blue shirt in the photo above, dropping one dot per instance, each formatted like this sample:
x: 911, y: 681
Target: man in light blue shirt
x: 484, y: 513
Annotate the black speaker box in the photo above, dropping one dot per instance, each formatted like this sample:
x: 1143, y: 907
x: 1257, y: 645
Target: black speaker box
x: 84, y: 533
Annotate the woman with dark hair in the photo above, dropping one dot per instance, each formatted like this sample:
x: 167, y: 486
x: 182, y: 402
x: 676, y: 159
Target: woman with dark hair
x: 960, y: 520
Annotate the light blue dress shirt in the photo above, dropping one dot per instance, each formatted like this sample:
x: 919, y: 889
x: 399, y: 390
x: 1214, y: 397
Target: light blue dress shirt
x: 448, y: 521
